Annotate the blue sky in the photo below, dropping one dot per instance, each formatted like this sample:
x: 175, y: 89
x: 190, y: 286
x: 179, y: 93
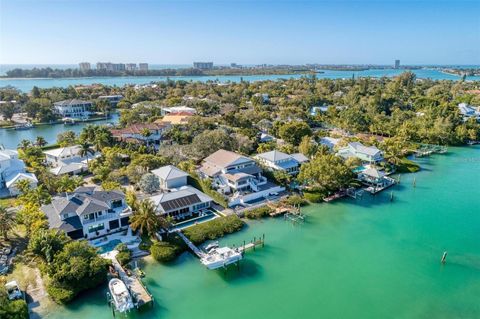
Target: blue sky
x: 242, y: 31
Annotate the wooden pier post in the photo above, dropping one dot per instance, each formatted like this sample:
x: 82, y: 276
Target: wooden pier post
x: 254, y: 242
x: 263, y: 241
x: 414, y: 182
x: 391, y: 196
x: 444, y: 257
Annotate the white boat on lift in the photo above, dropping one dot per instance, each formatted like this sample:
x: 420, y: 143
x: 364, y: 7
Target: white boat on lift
x: 221, y: 257
x: 121, y: 298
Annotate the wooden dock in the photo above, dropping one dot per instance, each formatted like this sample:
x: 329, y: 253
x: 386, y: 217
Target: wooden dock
x: 139, y: 292
x: 197, y: 251
x: 335, y: 196
x: 251, y: 245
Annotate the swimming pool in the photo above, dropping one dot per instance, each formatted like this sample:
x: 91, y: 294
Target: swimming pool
x: 109, y: 246
x: 181, y: 225
x: 359, y: 169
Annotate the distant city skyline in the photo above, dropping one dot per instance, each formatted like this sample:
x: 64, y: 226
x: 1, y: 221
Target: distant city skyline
x: 242, y: 31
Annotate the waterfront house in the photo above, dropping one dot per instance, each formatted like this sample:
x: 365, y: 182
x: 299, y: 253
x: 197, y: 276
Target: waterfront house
x: 369, y: 154
x: 238, y: 177
x: 142, y: 133
x: 375, y: 179
x: 170, y: 177
x: 112, y: 99
x: 279, y: 161
x: 182, y: 203
x: 76, y: 109
x: 67, y: 160
x: 178, y: 109
x: 468, y: 111
x: 12, y: 170
x: 88, y: 213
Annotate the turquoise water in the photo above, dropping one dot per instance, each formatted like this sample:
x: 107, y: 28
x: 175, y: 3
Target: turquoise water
x: 27, y: 84
x: 10, y: 138
x: 368, y: 258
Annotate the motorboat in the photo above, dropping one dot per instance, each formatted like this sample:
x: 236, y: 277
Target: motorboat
x: 121, y: 298
x: 211, y: 246
x: 13, y: 290
x: 24, y: 126
x: 221, y: 257
x: 69, y: 121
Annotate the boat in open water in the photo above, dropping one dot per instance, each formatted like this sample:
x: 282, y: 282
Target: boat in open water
x: 121, y: 298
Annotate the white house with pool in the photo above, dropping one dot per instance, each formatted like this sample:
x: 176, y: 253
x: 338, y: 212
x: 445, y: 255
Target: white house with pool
x: 89, y: 213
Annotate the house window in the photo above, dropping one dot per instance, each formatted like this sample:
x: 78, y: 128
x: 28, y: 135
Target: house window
x: 94, y: 228
x: 116, y: 204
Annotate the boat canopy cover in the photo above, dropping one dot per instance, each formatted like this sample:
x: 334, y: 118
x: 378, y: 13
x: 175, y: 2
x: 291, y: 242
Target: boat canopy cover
x: 118, y: 288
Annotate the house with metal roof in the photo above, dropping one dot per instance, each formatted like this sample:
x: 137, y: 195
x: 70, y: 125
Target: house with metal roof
x: 12, y: 170
x: 73, y: 108
x: 369, y: 154
x: 279, y: 161
x: 184, y: 202
x: 88, y: 213
x: 236, y: 176
x: 170, y: 177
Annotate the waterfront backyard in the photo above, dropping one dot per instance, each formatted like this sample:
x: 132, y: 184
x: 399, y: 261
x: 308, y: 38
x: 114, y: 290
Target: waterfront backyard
x: 366, y: 258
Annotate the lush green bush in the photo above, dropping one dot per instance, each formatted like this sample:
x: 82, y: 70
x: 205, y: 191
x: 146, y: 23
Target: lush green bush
x: 407, y: 166
x: 259, y: 212
x: 163, y: 251
x: 296, y: 200
x: 16, y: 309
x: 214, y: 229
x: 313, y: 196
x: 60, y: 295
x: 124, y: 255
x: 76, y: 268
x: 205, y: 186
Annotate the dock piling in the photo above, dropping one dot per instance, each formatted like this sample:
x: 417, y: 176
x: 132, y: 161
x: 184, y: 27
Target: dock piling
x: 444, y: 257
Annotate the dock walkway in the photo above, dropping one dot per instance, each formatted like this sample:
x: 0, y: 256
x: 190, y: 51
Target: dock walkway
x: 138, y: 291
x: 200, y: 254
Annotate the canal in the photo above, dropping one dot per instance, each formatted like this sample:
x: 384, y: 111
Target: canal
x: 10, y: 138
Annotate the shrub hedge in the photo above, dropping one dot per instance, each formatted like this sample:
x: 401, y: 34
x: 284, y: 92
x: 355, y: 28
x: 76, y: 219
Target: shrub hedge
x: 214, y: 229
x: 259, y: 212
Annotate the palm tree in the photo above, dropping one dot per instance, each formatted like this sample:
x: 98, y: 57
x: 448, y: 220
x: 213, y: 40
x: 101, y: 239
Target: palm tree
x: 7, y: 221
x: 69, y: 184
x: 85, y: 149
x: 24, y: 144
x: 23, y: 185
x: 144, y: 219
x: 40, y: 141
